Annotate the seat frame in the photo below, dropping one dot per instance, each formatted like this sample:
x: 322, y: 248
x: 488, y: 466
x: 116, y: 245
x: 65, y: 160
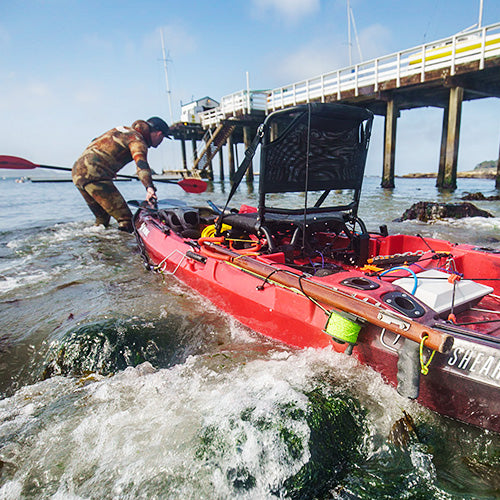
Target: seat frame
x: 326, y: 172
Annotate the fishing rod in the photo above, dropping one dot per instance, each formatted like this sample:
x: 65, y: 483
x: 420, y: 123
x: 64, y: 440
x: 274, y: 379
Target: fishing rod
x: 190, y: 185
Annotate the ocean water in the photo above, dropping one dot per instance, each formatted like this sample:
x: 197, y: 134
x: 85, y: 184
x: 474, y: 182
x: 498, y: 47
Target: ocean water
x: 118, y: 383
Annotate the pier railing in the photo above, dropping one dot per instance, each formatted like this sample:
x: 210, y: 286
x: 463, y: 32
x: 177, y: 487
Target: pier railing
x: 462, y: 48
x: 242, y: 102
x: 447, y: 53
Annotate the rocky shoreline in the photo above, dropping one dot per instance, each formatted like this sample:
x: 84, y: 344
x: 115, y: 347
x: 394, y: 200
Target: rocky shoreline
x: 484, y: 170
x: 484, y: 174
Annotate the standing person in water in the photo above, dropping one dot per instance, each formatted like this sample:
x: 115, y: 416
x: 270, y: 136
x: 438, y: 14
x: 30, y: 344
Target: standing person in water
x: 94, y: 171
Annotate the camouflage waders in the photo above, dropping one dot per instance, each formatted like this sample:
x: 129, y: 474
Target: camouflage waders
x: 94, y: 171
x: 105, y: 201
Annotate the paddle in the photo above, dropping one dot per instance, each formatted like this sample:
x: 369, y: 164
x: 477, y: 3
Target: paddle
x: 13, y: 162
x: 167, y: 201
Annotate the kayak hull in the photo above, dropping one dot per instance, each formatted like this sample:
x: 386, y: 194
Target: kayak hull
x: 463, y: 383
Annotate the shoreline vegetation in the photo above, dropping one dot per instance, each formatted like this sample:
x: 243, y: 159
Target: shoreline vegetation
x: 484, y: 170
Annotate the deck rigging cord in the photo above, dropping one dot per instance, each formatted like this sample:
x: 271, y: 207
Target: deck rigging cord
x: 306, y: 187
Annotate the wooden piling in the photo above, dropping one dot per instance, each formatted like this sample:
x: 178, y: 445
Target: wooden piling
x: 452, y: 138
x: 391, y: 117
x: 221, y: 164
x: 247, y: 139
x: 442, y: 152
x: 184, y: 156
x: 497, y: 179
x: 195, y: 149
x: 230, y: 156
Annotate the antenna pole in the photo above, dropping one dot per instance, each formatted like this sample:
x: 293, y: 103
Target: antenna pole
x: 480, y: 22
x: 169, y: 94
x: 349, y: 31
x: 356, y: 36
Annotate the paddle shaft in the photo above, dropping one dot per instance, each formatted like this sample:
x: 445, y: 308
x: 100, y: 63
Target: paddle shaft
x: 124, y: 176
x: 192, y: 185
x: 406, y: 327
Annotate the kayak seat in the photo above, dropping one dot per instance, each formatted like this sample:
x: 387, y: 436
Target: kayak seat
x: 317, y: 151
x: 289, y: 221
x: 184, y: 221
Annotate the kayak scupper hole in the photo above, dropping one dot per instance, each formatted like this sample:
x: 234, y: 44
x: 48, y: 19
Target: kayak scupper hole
x: 404, y: 303
x: 362, y: 282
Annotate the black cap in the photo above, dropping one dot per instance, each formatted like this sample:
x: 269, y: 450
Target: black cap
x: 159, y: 124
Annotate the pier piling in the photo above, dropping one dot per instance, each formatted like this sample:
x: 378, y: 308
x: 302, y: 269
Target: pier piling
x: 230, y: 156
x: 449, y: 180
x: 391, y: 116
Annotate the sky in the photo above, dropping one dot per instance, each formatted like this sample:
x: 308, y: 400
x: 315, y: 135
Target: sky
x: 72, y: 69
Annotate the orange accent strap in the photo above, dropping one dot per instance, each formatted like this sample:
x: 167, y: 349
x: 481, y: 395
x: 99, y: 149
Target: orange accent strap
x: 452, y: 318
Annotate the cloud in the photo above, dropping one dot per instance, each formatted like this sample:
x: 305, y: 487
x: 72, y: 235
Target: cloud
x: 374, y: 42
x: 97, y: 43
x: 31, y: 96
x: 326, y: 54
x: 317, y: 57
x: 290, y: 10
x: 87, y: 95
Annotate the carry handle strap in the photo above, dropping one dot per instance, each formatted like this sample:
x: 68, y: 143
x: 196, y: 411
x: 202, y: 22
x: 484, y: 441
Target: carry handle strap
x: 238, y: 176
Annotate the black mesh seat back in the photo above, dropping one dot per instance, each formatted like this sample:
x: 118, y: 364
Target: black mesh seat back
x: 337, y: 147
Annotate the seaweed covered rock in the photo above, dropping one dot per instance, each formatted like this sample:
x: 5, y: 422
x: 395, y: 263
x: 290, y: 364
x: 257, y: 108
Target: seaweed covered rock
x: 488, y: 470
x: 336, y: 428
x: 428, y: 210
x: 403, y: 432
x: 478, y: 196
x: 304, y: 449
x: 108, y: 346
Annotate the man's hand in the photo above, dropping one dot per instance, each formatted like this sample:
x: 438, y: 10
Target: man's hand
x: 151, y: 196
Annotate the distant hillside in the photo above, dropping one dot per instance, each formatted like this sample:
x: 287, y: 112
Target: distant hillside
x: 484, y: 170
x: 486, y: 165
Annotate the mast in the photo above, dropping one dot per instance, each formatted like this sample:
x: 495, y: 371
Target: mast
x: 349, y: 42
x: 356, y: 36
x: 350, y: 20
x: 169, y: 94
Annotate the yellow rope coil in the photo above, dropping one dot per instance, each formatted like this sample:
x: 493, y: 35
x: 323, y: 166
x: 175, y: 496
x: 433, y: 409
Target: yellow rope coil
x: 209, y: 231
x: 342, y: 329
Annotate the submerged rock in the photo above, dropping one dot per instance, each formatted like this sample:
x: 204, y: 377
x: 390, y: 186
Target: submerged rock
x: 480, y: 197
x: 428, y: 210
x: 106, y: 347
x: 336, y: 426
x: 488, y: 471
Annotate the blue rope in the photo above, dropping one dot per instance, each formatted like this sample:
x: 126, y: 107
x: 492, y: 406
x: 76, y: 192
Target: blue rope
x: 404, y: 269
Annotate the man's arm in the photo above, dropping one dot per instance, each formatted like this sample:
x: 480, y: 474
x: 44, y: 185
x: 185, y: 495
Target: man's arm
x: 139, y: 154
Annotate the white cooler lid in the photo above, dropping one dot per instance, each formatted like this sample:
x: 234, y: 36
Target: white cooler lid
x: 434, y: 290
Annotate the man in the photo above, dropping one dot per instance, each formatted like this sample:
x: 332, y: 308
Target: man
x: 94, y: 171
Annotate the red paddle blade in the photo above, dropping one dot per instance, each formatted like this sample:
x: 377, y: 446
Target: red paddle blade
x: 193, y: 185
x: 15, y: 163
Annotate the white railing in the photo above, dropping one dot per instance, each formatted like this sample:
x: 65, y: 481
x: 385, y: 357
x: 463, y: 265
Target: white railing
x: 448, y: 53
x: 231, y: 105
x: 462, y: 48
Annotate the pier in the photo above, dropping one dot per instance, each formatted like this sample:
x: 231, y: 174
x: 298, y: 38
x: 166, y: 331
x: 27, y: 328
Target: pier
x: 442, y: 74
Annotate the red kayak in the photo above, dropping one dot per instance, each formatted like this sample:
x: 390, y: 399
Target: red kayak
x: 425, y: 313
